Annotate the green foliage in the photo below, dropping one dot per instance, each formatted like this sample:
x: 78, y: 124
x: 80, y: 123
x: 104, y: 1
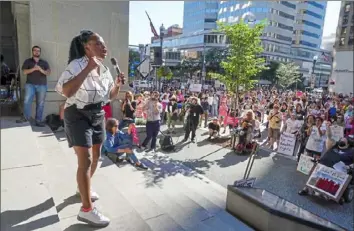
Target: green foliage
x: 270, y: 72
x: 165, y: 72
x: 287, y: 74
x: 189, y: 66
x: 213, y: 59
x: 242, y: 61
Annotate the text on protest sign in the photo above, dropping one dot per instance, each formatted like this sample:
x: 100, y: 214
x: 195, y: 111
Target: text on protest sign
x: 337, y: 132
x: 305, y: 164
x: 328, y: 181
x: 287, y: 144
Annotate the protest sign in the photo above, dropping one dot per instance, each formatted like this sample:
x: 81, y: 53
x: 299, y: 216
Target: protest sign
x: 287, y: 144
x: 245, y: 183
x: 195, y: 87
x: 328, y: 181
x: 305, y: 164
x: 337, y: 132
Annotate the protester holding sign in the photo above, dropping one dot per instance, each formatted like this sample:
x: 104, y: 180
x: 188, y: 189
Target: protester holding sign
x: 292, y: 125
x: 316, y: 141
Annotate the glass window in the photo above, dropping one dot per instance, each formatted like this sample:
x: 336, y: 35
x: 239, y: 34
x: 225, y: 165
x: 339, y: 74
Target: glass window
x: 315, y: 4
x: 313, y: 14
x: 347, y: 8
x: 343, y: 31
x: 341, y: 41
x: 305, y: 43
x: 288, y: 4
x: 314, y: 35
x: 285, y: 15
x: 311, y: 24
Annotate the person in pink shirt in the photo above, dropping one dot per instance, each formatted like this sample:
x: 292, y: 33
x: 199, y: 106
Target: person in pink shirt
x: 180, y: 97
x: 231, y: 120
x: 139, y: 106
x: 222, y: 113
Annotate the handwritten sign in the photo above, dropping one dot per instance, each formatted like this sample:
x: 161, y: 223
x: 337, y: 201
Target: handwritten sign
x: 305, y: 164
x: 245, y: 183
x: 337, y: 132
x: 328, y: 181
x: 287, y: 144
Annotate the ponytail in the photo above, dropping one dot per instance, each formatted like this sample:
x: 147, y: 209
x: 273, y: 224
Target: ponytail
x: 77, y: 49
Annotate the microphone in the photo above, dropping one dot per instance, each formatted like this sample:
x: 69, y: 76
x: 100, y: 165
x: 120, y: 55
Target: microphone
x: 115, y: 64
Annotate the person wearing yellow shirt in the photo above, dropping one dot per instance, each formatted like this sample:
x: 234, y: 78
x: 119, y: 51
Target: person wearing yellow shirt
x: 274, y: 119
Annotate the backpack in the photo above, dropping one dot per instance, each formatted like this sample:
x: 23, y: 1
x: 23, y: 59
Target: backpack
x: 54, y: 122
x: 166, y: 143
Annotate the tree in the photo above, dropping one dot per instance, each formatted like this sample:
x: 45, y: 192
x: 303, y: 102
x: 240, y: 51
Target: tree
x: 287, y: 74
x: 213, y: 59
x: 189, y: 66
x: 243, y: 60
x: 270, y: 73
x: 165, y: 72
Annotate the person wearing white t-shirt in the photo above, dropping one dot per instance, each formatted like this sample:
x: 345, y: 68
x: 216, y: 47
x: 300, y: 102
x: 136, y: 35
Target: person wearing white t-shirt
x: 317, y: 138
x: 292, y: 125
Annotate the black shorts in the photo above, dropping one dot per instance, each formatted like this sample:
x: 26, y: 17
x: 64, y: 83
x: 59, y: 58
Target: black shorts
x: 84, y: 128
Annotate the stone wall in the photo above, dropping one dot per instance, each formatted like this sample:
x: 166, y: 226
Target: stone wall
x: 53, y: 24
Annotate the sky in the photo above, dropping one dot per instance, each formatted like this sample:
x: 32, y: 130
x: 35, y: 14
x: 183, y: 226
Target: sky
x: 171, y: 12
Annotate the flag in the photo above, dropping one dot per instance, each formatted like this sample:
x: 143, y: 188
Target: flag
x: 153, y: 30
x: 325, y: 57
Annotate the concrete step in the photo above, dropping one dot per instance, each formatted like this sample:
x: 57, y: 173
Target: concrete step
x: 166, y: 197
x: 26, y: 203
x: 201, y: 190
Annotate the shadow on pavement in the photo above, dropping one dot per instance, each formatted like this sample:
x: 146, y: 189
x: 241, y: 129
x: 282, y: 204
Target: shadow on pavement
x: 74, y: 199
x: 11, y: 218
x: 80, y: 227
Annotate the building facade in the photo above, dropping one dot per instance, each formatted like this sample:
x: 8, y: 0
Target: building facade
x: 343, y: 71
x: 199, y: 16
x: 51, y: 25
x: 293, y: 32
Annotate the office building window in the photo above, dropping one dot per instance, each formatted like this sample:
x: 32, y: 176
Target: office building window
x: 313, y: 35
x: 351, y: 41
x: 285, y: 15
x: 305, y: 43
x: 347, y: 8
x: 313, y: 14
x: 311, y: 24
x: 315, y: 4
x: 343, y: 31
x: 342, y: 42
x: 284, y: 38
x: 288, y: 4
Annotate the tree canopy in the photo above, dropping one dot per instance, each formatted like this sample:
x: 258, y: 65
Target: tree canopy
x: 243, y: 59
x: 164, y: 72
x: 287, y: 74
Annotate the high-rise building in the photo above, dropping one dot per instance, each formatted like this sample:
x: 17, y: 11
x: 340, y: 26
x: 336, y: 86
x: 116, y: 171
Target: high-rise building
x: 342, y: 74
x: 293, y: 32
x: 199, y: 16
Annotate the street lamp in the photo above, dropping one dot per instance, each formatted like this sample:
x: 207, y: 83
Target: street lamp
x: 313, y: 77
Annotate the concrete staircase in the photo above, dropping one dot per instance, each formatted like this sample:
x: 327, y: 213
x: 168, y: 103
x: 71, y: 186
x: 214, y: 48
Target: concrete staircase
x: 38, y: 185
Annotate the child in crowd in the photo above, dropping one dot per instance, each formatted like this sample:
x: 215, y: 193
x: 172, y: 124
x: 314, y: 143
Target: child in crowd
x: 119, y: 142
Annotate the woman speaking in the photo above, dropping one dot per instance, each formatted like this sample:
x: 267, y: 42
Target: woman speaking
x: 87, y: 85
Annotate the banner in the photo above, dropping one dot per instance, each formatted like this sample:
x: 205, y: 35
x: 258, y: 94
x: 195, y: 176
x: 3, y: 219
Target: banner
x: 337, y: 132
x: 287, y: 144
x: 305, y: 164
x: 328, y: 181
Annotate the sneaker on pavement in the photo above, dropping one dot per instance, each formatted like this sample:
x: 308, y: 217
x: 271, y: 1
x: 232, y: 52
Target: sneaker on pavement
x: 93, y: 217
x: 141, y: 166
x: 40, y: 124
x: 22, y: 120
x: 94, y: 195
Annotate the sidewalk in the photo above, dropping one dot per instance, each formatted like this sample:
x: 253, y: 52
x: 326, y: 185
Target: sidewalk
x: 274, y: 173
x: 39, y: 186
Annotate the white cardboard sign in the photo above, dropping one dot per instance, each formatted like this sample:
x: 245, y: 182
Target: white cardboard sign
x: 287, y: 144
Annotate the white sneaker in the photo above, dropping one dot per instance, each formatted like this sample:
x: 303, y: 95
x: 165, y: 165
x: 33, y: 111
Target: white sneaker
x: 94, y: 195
x: 94, y: 218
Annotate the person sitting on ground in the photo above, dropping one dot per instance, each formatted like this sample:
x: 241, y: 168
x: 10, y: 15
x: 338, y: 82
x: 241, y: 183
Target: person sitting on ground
x: 214, y: 128
x: 339, y: 152
x: 120, y: 142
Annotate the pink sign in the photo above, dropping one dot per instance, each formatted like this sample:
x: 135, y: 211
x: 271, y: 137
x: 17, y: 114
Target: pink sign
x: 299, y: 94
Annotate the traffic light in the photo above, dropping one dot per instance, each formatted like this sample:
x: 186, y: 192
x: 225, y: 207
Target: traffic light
x: 155, y: 56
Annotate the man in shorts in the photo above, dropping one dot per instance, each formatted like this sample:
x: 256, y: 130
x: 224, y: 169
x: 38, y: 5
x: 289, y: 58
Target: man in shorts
x: 274, y: 119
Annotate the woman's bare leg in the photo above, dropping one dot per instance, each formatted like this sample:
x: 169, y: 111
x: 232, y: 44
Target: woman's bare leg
x: 96, y: 152
x: 83, y: 175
